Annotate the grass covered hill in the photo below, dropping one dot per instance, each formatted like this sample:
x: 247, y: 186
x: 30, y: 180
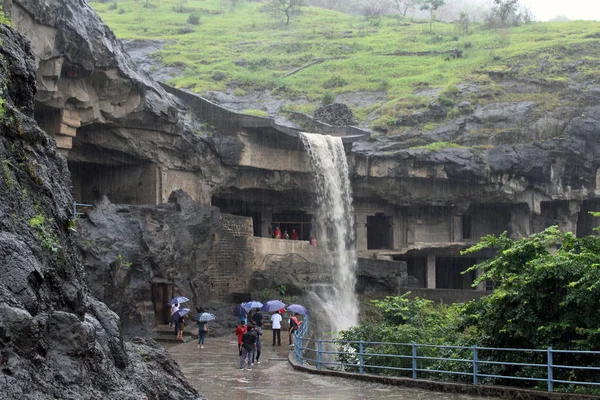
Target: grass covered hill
x: 217, y: 46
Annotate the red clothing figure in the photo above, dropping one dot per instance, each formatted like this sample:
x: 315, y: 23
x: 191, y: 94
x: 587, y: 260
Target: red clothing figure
x: 277, y: 233
x: 294, y: 235
x: 282, y: 310
x: 239, y: 331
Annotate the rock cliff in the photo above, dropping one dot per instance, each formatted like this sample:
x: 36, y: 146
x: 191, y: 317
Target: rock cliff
x: 56, y: 340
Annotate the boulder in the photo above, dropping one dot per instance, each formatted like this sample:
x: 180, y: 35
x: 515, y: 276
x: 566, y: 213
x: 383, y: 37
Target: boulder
x: 335, y: 114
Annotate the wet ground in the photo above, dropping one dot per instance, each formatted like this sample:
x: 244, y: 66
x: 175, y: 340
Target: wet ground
x: 214, y: 371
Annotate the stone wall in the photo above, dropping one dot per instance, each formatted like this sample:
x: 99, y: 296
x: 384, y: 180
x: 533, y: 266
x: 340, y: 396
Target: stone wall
x: 381, y: 276
x: 267, y: 247
x: 231, y: 257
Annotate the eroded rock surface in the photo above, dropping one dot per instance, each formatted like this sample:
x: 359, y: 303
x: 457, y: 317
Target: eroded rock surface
x: 56, y: 340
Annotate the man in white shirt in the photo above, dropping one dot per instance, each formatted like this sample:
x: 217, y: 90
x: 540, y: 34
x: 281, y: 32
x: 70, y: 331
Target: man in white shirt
x: 276, y: 326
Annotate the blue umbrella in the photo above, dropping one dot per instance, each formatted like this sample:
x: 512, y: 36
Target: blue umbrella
x: 252, y: 304
x: 180, y: 313
x: 239, y: 311
x: 297, y: 308
x: 273, y: 305
x: 205, y: 317
x: 178, y: 300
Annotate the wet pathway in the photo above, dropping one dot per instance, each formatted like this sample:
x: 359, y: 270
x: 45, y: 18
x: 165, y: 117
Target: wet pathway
x: 214, y: 371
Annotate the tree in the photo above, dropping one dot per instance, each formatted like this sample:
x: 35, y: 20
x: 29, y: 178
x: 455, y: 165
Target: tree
x: 284, y: 8
x: 505, y: 9
x: 432, y: 6
x: 547, y: 292
x: 374, y: 8
x: 404, y: 5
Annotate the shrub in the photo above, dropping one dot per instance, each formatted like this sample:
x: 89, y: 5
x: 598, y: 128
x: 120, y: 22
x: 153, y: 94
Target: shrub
x: 113, y: 6
x: 194, y: 19
x: 327, y: 98
x: 334, y: 81
x: 445, y: 101
x: 184, y: 30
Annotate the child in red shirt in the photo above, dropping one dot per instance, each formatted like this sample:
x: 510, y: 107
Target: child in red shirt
x: 239, y: 331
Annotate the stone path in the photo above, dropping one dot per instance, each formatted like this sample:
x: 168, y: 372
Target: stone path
x: 214, y: 371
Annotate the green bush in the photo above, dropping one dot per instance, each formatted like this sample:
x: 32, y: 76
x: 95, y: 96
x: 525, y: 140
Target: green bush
x: 334, y: 82
x: 327, y: 98
x: 194, y: 19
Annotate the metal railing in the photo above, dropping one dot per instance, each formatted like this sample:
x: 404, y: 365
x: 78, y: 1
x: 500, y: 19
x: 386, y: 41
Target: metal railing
x: 467, y: 364
x: 76, y: 204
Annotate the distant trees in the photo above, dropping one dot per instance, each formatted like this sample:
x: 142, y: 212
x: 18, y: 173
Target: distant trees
x: 284, y: 8
x: 403, y: 6
x: 507, y: 13
x: 374, y: 8
x: 432, y: 6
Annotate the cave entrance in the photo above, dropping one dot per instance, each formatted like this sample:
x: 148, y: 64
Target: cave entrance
x: 448, y: 273
x: 135, y: 183
x: 416, y: 267
x: 161, y: 293
x: 293, y: 220
x: 379, y: 232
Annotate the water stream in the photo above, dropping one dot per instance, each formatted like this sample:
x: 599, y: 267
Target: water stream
x: 335, y: 227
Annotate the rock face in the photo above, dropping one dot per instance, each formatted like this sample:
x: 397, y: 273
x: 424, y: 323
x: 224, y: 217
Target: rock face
x: 56, y: 340
x: 127, y: 248
x: 335, y: 114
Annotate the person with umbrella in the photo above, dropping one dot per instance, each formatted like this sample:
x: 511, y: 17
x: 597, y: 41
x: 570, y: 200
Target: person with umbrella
x: 202, y: 322
x: 272, y: 306
x: 179, y: 318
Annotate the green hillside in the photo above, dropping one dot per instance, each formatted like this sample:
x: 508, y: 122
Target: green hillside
x: 246, y: 48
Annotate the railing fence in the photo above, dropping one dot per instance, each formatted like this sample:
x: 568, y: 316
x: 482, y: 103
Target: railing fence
x: 468, y: 364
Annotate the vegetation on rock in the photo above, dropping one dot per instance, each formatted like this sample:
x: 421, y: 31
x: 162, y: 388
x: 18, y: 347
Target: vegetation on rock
x: 390, y: 54
x: 547, y: 291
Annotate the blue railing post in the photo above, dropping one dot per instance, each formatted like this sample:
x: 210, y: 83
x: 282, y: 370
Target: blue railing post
x: 319, y: 354
x: 74, y: 209
x: 475, y: 366
x: 550, y: 377
x: 301, y: 350
x: 414, y: 360
x: 360, y: 357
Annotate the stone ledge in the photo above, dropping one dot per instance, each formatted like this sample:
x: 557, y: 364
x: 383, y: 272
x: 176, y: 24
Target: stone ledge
x: 503, y: 392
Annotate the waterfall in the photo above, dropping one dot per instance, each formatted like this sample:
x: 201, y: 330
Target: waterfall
x: 335, y: 222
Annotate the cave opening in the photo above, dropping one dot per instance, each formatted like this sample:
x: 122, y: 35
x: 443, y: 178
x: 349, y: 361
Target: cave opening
x: 379, y: 232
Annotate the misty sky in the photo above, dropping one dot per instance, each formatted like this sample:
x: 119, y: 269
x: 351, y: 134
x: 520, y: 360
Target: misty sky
x: 572, y: 9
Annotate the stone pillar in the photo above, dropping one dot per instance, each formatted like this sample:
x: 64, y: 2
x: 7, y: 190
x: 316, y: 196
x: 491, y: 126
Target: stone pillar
x: 267, y: 218
x: 456, y: 228
x: 520, y: 221
x: 361, y: 231
x: 431, y: 272
x: 568, y: 216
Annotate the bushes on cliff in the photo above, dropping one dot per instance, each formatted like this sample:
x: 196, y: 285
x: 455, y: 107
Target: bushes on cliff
x: 547, y: 292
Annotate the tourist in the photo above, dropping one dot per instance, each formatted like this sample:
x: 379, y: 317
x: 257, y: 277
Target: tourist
x: 174, y: 307
x: 247, y: 347
x: 277, y: 233
x: 276, y: 326
x: 181, y: 326
x: 313, y: 241
x: 202, y: 331
x: 239, y: 331
x: 294, y: 235
x: 258, y: 331
x: 257, y: 317
x: 286, y: 236
x: 292, y: 328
